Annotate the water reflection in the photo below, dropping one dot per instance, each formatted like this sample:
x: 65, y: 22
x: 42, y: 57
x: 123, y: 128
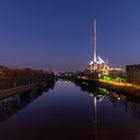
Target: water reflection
x: 72, y: 112
x: 129, y: 103
x: 13, y: 104
x: 109, y: 109
x: 95, y: 117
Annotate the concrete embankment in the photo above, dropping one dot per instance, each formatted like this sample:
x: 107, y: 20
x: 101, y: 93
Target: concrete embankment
x: 12, y: 91
x: 119, y: 87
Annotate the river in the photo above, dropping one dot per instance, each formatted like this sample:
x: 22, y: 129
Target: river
x: 70, y: 111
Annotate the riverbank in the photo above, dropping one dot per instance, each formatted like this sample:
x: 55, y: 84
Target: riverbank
x: 20, y: 89
x: 18, y: 80
x: 120, y: 87
x: 12, y: 91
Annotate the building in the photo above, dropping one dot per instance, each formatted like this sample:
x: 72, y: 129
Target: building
x: 98, y: 64
x: 133, y: 73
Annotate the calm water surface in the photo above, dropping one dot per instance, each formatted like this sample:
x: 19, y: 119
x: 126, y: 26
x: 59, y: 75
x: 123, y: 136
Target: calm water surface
x: 68, y: 112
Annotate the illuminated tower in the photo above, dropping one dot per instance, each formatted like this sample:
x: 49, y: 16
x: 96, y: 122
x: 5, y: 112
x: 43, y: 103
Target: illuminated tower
x: 97, y: 64
x: 94, y: 60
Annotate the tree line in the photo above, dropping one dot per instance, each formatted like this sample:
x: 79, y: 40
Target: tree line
x: 13, y: 77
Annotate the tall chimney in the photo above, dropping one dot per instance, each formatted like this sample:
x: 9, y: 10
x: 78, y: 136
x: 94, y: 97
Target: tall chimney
x: 94, y: 39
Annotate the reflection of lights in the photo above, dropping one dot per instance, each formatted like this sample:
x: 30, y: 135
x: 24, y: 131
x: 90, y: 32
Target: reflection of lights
x: 103, y: 90
x: 91, y: 94
x: 119, y: 98
x: 95, y: 102
x: 83, y: 77
x: 101, y: 98
x: 84, y: 83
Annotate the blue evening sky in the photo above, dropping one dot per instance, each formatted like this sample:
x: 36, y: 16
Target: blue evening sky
x: 58, y: 34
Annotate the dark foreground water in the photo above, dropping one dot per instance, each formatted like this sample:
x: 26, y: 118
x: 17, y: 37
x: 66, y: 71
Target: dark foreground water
x: 69, y: 112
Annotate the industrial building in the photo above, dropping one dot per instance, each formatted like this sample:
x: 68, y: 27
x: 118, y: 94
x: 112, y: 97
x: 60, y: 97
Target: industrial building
x: 98, y: 64
x: 133, y: 73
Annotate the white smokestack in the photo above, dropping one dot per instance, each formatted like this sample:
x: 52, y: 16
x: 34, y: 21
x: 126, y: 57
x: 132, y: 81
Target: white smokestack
x: 95, y: 39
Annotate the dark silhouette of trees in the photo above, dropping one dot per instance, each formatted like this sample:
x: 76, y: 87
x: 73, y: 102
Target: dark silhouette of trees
x: 13, y: 77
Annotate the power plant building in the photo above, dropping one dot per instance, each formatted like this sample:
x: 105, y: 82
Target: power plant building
x: 98, y: 63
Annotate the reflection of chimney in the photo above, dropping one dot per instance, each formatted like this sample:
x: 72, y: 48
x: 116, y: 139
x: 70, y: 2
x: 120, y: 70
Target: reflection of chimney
x: 95, y: 117
x: 95, y: 109
x: 94, y: 39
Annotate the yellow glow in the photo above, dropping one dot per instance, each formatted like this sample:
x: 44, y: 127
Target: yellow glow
x: 113, y: 82
x: 120, y: 83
